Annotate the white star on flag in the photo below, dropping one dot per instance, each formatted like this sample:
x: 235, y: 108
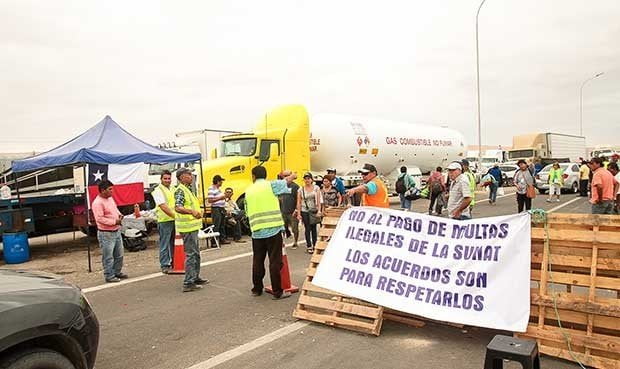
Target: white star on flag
x: 98, y: 175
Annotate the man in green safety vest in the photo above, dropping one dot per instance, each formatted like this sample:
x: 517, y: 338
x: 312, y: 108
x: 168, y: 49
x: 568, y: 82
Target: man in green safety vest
x: 472, y: 183
x: 188, y: 221
x: 263, y: 210
x: 163, y: 195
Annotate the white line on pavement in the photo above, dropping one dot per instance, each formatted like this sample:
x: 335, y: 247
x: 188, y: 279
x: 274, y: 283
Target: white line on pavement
x: 159, y: 274
x: 563, y: 205
x: 240, y: 350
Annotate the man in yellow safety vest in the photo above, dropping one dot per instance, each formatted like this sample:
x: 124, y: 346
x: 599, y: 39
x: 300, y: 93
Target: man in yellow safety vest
x: 263, y: 210
x: 163, y: 195
x: 188, y: 221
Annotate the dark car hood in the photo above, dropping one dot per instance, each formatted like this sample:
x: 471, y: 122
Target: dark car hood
x: 22, y: 280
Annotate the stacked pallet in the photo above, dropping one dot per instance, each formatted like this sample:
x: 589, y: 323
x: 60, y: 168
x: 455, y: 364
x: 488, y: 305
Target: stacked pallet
x: 576, y: 271
x: 328, y: 307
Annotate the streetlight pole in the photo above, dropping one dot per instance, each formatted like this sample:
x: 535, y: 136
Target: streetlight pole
x: 478, y: 89
x: 581, y: 101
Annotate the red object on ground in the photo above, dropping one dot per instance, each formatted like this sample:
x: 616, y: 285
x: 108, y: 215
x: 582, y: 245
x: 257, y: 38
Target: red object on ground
x: 178, y: 256
x: 285, y: 275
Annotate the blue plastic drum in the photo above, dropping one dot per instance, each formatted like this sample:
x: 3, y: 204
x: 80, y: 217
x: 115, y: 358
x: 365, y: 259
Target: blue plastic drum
x: 16, y: 247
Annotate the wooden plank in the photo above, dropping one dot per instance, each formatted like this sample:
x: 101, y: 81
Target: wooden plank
x: 321, y: 245
x: 340, y: 306
x: 326, y: 232
x: 593, y: 361
x: 576, y: 317
x: 362, y: 327
x: 316, y: 258
x: 579, y: 280
x: 404, y: 320
x: 589, y: 219
x: 309, y: 286
x: 578, y: 338
x: 609, y: 239
x: 574, y: 304
x: 578, y: 261
x: 330, y: 221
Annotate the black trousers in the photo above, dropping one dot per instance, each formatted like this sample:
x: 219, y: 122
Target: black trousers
x: 219, y: 221
x: 309, y: 230
x: 523, y: 200
x: 583, y: 187
x: 271, y: 247
x: 435, y: 199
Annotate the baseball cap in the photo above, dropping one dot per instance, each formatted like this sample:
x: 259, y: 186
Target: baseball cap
x: 217, y: 178
x: 308, y: 175
x: 367, y: 168
x: 455, y: 165
x: 331, y: 170
x: 182, y: 171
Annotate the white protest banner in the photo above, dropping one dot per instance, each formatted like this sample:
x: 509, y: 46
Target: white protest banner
x: 474, y: 272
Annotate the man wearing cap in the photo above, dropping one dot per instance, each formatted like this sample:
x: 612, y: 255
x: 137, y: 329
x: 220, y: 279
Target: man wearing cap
x: 188, y: 222
x: 217, y: 199
x: 460, y: 196
x: 373, y: 190
x: 336, y: 182
x: 163, y: 195
x: 471, y: 179
x: 263, y: 210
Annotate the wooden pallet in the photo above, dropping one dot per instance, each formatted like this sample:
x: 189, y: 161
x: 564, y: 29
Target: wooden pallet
x: 583, y: 285
x: 332, y: 308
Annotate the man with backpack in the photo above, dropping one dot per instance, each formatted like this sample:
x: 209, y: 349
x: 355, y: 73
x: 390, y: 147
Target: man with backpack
x: 403, y: 184
x: 437, y: 187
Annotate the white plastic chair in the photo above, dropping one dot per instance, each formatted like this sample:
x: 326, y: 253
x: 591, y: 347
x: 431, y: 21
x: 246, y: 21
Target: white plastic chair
x: 209, y: 232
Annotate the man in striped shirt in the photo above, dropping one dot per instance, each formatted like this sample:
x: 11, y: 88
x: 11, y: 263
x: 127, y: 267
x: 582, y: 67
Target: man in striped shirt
x: 217, y: 199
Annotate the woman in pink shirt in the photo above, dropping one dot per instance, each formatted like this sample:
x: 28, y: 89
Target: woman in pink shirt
x: 108, y: 220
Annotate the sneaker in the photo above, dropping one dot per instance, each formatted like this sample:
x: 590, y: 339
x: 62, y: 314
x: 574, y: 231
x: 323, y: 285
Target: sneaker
x: 113, y: 280
x: 256, y: 294
x: 284, y: 295
x: 191, y: 287
x: 200, y: 281
x: 294, y: 247
x: 165, y: 270
x: 548, y: 200
x: 557, y: 200
x: 122, y: 276
x: 310, y: 250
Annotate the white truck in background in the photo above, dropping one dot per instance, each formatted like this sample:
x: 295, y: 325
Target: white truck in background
x: 547, y: 147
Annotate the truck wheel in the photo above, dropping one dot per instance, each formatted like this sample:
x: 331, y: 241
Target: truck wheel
x: 36, y: 358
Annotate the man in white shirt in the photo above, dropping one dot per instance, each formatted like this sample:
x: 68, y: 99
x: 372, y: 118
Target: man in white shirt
x: 460, y: 193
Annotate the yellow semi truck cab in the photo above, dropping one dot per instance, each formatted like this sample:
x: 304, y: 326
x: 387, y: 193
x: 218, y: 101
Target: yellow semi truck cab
x: 280, y: 141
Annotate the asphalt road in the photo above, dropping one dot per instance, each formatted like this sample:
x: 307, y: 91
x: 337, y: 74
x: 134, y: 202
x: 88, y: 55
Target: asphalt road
x: 151, y: 324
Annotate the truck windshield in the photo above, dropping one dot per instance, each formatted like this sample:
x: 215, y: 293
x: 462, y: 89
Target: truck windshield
x: 520, y: 154
x: 239, y: 147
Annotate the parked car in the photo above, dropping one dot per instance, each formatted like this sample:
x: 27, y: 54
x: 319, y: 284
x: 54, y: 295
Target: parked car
x: 508, y: 173
x: 45, y: 323
x: 571, y: 178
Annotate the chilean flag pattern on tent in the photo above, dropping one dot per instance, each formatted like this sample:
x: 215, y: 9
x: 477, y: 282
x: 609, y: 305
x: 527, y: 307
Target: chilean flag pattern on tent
x: 128, y: 180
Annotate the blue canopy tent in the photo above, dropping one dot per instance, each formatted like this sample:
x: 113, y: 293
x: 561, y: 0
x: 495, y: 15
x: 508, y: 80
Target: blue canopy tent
x: 105, y: 143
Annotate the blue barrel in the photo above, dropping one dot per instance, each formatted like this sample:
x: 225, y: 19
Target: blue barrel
x: 16, y: 248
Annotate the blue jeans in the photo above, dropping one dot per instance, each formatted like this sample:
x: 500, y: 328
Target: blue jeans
x: 192, y: 257
x: 111, y: 245
x: 404, y: 203
x: 604, y: 207
x: 166, y: 239
x: 493, y: 192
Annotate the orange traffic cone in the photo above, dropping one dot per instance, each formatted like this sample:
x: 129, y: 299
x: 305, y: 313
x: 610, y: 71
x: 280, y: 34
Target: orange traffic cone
x: 178, y: 256
x: 285, y: 275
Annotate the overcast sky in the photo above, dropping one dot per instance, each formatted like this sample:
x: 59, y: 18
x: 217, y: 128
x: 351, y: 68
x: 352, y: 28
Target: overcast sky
x: 160, y: 67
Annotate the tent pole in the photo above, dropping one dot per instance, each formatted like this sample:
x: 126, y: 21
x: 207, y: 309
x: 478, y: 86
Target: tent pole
x: 202, y: 187
x: 90, y: 268
x: 19, y: 199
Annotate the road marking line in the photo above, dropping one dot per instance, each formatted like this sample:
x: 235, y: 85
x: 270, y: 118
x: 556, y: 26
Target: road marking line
x: 160, y: 274
x: 247, y: 347
x: 563, y: 205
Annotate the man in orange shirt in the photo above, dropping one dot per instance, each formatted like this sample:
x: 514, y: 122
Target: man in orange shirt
x: 374, y: 192
x: 108, y: 220
x: 603, y: 185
